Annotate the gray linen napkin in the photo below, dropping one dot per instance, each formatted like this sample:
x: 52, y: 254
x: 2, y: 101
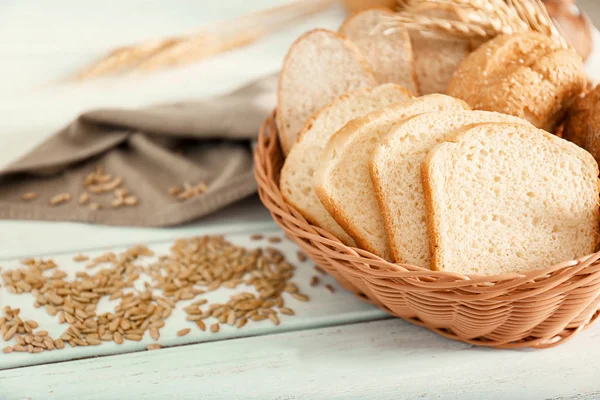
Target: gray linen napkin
x: 205, y: 142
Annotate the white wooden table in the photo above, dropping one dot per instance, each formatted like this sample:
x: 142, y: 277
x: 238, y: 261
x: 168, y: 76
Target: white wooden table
x: 337, y: 346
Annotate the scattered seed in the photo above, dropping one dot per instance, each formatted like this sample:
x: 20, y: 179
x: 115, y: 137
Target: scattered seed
x: 257, y: 236
x: 201, y: 325
x: 59, y: 199
x: 193, y: 267
x: 80, y: 258
x: 153, y: 346
x: 300, y: 297
x: 19, y: 348
x: 287, y: 311
x: 118, y: 338
x: 7, y: 349
x: 84, y: 198
x: 10, y: 333
x: 301, y: 256
x: 94, y: 206
x: 274, y: 239
x: 314, y: 281
x: 130, y: 201
x: 183, y: 332
x: 134, y: 337
x: 154, y: 333
x: 32, y: 324
x: 29, y: 196
x: 175, y: 190
x: 330, y: 288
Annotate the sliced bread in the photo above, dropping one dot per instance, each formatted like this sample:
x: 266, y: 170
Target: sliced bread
x: 319, y: 66
x: 396, y: 174
x: 506, y: 198
x: 296, y: 180
x: 388, y: 52
x: 342, y: 180
x: 436, y: 58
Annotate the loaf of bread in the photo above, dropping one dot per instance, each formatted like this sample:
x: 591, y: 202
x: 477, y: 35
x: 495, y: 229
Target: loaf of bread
x: 527, y: 75
x: 388, y: 51
x: 319, y: 66
x: 296, y: 180
x: 505, y: 198
x: 396, y: 175
x: 342, y: 180
x: 582, y: 125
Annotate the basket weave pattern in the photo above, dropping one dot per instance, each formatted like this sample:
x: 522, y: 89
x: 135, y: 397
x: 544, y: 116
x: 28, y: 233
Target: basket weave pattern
x: 539, y: 309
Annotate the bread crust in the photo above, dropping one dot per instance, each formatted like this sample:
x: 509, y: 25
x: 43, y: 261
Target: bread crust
x: 284, y: 139
x: 582, y: 125
x: 387, y: 89
x: 463, y: 134
x: 336, y: 142
x: 527, y: 75
x: 339, y: 142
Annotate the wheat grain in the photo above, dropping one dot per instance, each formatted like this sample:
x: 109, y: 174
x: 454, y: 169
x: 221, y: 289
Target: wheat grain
x: 59, y: 199
x: 183, y: 332
x: 153, y: 346
x: 29, y: 196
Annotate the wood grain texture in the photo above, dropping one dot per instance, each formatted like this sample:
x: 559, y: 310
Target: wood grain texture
x: 377, y: 360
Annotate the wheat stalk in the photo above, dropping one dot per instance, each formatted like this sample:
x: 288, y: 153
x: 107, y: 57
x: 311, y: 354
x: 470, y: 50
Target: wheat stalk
x: 218, y: 38
x: 474, y: 19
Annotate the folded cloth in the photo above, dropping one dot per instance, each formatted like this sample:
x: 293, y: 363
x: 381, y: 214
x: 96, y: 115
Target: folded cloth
x: 158, y: 166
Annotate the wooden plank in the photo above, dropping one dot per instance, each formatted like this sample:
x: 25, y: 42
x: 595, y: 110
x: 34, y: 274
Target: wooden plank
x: 323, y: 309
x: 375, y: 360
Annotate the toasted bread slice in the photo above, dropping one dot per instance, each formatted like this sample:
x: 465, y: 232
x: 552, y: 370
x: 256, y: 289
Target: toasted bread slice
x: 297, y: 173
x: 388, y: 52
x: 396, y: 175
x: 342, y: 180
x: 319, y: 66
x: 505, y: 198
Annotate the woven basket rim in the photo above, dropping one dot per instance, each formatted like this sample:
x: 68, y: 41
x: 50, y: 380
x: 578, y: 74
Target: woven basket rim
x: 268, y: 144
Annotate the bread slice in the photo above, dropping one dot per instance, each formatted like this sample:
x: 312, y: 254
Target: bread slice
x: 389, y: 54
x: 396, y: 175
x: 504, y: 198
x: 319, y: 66
x: 296, y: 180
x: 436, y: 58
x: 342, y: 180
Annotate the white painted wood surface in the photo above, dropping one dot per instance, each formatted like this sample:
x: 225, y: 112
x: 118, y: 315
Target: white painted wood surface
x: 41, y: 42
x: 377, y: 360
x: 324, y: 309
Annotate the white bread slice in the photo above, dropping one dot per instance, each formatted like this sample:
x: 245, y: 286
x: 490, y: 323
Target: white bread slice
x: 342, y: 180
x: 319, y: 66
x: 396, y: 174
x: 505, y: 198
x: 436, y: 58
x: 296, y: 180
x: 390, y: 55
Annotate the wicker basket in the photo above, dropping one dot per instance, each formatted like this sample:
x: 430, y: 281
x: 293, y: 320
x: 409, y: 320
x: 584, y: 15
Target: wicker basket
x: 538, y: 309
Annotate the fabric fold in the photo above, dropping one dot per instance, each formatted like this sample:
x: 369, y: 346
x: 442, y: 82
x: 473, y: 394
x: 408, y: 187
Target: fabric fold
x: 169, y: 164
